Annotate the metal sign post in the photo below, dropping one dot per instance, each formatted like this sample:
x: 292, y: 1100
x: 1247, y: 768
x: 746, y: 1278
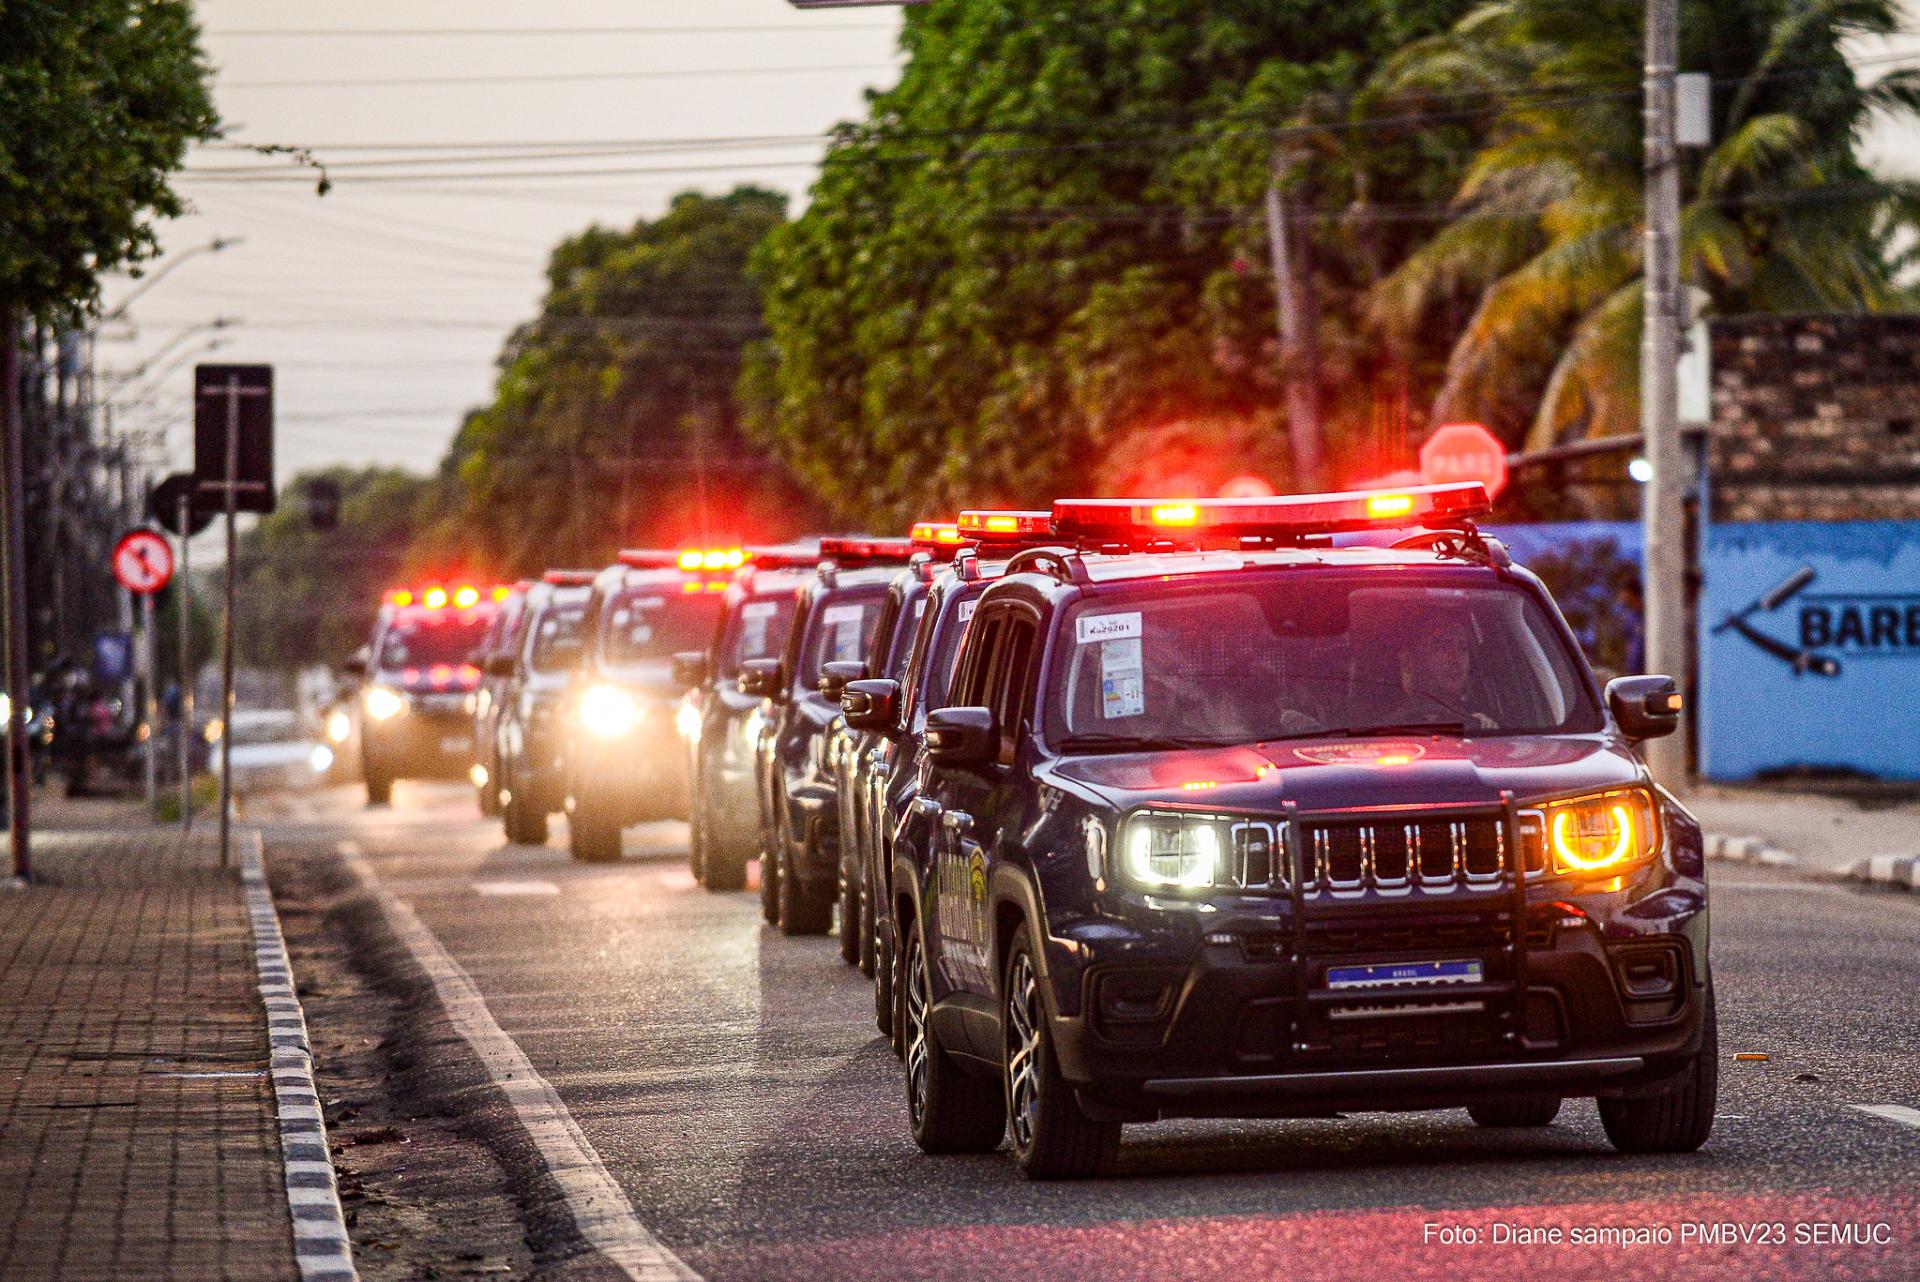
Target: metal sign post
x: 150, y: 701
x: 233, y: 455
x: 143, y: 564
x: 183, y: 729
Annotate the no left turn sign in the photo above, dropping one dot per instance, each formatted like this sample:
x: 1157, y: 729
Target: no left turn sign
x: 143, y: 561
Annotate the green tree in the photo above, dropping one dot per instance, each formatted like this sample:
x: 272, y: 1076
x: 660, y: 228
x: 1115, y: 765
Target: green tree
x: 310, y: 595
x: 612, y: 421
x: 1046, y: 243
x: 99, y: 100
x: 1542, y: 255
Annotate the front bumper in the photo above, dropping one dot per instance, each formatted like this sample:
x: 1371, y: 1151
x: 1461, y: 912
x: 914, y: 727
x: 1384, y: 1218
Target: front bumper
x: 1222, y: 1013
x: 635, y: 778
x: 424, y: 742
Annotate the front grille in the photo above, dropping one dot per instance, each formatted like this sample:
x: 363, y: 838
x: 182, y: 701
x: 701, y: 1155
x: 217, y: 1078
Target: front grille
x: 1347, y: 858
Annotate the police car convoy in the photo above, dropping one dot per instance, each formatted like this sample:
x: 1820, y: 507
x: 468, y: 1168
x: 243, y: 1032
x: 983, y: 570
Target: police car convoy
x: 1138, y: 809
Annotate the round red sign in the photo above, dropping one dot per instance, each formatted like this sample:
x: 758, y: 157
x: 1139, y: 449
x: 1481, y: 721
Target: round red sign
x: 143, y: 561
x: 1464, y: 452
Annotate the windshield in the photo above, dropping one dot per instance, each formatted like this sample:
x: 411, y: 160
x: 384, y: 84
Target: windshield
x: 558, y: 624
x: 839, y: 629
x: 757, y: 630
x: 650, y: 625
x: 1325, y: 654
x: 418, y: 644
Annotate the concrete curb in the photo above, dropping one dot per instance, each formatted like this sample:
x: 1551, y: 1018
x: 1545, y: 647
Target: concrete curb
x: 321, y: 1247
x: 1748, y: 850
x: 1895, y: 872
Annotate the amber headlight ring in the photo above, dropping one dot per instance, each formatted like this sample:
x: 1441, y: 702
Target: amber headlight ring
x: 1598, y: 834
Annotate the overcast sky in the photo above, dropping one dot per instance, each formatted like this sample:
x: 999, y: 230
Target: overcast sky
x: 383, y: 304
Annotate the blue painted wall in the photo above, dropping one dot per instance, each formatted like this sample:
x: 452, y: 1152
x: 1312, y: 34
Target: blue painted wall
x: 1860, y: 614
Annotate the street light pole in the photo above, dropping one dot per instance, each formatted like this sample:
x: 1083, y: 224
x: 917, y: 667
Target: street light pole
x: 1663, y: 513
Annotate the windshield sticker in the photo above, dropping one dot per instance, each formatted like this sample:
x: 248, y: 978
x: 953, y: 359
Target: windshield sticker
x: 966, y: 610
x: 1107, y: 627
x: 844, y: 625
x: 1122, y: 691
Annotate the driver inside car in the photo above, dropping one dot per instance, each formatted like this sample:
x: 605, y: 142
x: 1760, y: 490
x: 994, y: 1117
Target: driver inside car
x: 1436, y: 675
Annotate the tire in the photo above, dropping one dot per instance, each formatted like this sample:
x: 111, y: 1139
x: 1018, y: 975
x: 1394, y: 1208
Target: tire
x: 949, y: 1110
x: 868, y: 940
x: 850, y: 923
x: 883, y: 996
x: 1679, y: 1119
x: 524, y: 825
x: 1515, y: 1112
x: 697, y: 846
x: 724, y: 866
x: 803, y: 911
x: 488, y: 796
x: 1053, y: 1139
x: 590, y: 838
x: 769, y: 887
x: 379, y: 788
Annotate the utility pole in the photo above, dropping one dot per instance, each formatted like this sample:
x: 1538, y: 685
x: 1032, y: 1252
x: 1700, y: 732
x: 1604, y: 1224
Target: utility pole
x: 13, y: 491
x: 1299, y: 339
x: 1663, y: 513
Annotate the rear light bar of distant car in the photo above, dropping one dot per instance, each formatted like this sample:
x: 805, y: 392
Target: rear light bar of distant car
x: 570, y: 578
x: 1279, y: 517
x: 932, y: 536
x: 783, y: 556
x: 858, y: 549
x: 439, y: 596
x: 979, y: 525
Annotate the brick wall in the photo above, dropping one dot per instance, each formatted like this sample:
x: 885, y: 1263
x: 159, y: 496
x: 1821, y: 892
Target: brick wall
x: 1815, y: 418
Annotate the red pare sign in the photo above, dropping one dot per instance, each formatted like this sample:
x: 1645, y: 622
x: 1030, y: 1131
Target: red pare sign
x: 143, y: 562
x: 1464, y: 452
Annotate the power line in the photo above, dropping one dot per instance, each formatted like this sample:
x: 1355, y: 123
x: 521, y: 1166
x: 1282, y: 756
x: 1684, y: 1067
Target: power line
x: 671, y: 73
x: 308, y: 33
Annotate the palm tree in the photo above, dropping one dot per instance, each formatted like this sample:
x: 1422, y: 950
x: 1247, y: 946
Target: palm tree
x: 1543, y: 238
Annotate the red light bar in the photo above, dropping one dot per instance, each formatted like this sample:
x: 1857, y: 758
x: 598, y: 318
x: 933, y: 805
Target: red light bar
x: 569, y: 578
x: 936, y: 534
x: 1128, y: 520
x: 980, y: 525
x: 857, y: 549
x: 715, y: 559
x: 650, y: 558
x: 783, y: 556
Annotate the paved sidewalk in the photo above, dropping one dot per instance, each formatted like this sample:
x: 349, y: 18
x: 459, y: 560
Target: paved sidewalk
x: 1828, y: 834
x: 138, y: 1135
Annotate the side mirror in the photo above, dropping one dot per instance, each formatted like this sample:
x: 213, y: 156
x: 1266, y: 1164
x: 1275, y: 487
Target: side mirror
x: 961, y: 736
x: 1645, y: 707
x: 499, y: 665
x: 690, y: 669
x: 834, y: 677
x: 871, y: 705
x: 760, y: 678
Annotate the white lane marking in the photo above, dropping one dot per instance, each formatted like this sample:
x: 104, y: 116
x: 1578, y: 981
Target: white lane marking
x: 322, y: 1251
x: 1893, y: 1113
x: 1726, y: 884
x: 516, y: 887
x: 599, y: 1206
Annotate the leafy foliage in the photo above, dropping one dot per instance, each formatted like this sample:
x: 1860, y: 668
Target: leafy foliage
x: 98, y: 102
x: 1545, y: 250
x: 1047, y: 240
x: 612, y: 420
x: 309, y: 594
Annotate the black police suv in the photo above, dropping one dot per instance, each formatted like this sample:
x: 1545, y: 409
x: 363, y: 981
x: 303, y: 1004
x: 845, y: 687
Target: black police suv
x: 493, y: 656
x: 888, y: 712
x: 1273, y: 827
x: 719, y: 723
x: 624, y: 763
x: 530, y: 778
x: 834, y: 616
x: 414, y: 719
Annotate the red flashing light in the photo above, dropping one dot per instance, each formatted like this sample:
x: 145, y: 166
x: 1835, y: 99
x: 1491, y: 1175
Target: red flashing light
x: 1155, y: 520
x: 931, y: 535
x: 466, y: 596
x: 783, y: 556
x: 502, y: 593
x: 399, y: 596
x: 468, y: 674
x: 410, y: 675
x: 713, y: 559
x: 1010, y: 527
x: 649, y: 558
x: 440, y: 673
x: 569, y: 578
x: 860, y: 549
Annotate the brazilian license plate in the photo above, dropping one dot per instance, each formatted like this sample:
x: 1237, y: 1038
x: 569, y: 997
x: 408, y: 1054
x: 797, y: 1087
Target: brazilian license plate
x: 1419, y: 974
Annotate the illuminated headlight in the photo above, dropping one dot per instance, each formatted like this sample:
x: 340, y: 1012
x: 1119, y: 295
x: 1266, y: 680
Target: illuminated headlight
x: 1172, y: 851
x: 339, y: 726
x: 607, y: 712
x: 383, y: 704
x: 686, y: 720
x: 1602, y: 833
x: 321, y: 758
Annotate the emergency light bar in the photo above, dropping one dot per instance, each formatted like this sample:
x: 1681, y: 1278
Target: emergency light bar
x: 861, y: 549
x: 1279, y: 517
x: 570, y: 578
x: 783, y: 556
x: 984, y: 526
x: 713, y: 559
x: 649, y: 558
x: 933, y: 535
x: 437, y: 596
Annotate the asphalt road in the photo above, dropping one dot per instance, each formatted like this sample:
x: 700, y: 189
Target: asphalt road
x: 732, y: 1082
